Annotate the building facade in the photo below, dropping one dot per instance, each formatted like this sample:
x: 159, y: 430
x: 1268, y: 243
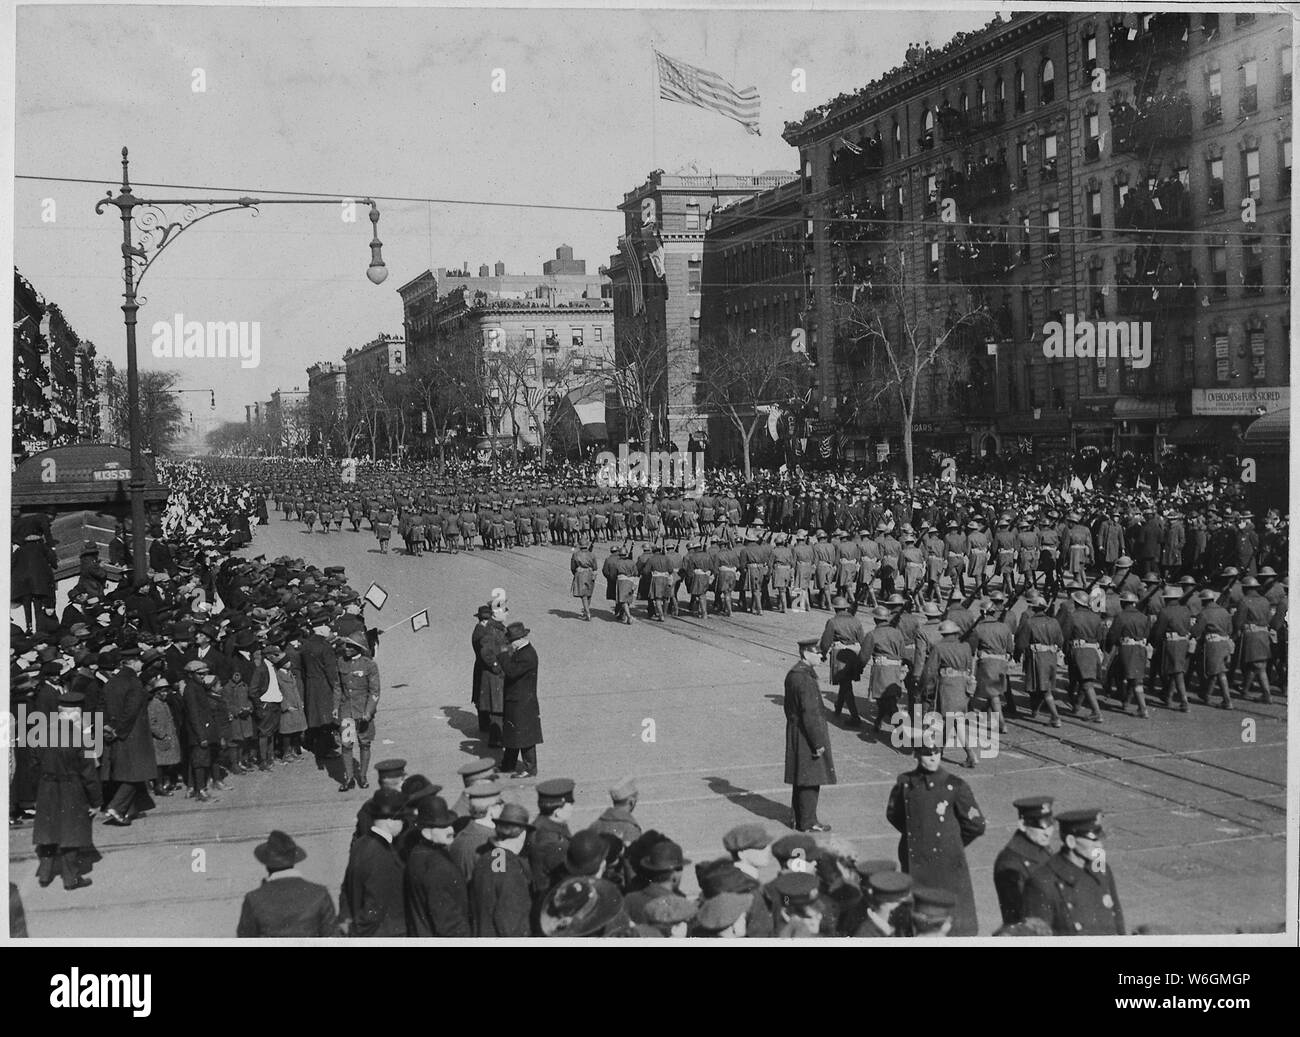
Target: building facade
x: 657, y: 279
x: 56, y: 392
x: 327, y: 405
x: 1078, y: 164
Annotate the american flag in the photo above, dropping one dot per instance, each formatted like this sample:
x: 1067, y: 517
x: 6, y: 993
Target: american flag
x: 826, y: 448
x: 687, y: 84
x: 534, y: 396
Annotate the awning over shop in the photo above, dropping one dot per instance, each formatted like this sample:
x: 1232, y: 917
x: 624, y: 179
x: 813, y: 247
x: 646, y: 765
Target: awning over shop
x: 1195, y: 430
x: 1272, y: 429
x: 1132, y: 408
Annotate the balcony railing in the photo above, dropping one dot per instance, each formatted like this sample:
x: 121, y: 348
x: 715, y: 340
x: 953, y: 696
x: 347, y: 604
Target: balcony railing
x: 1168, y: 208
x: 1165, y: 41
x: 985, y: 184
x: 1163, y: 120
x: 984, y: 256
x: 1161, y: 289
x: 859, y: 225
x: 847, y: 167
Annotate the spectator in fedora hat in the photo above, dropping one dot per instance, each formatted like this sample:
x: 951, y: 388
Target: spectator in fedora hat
x: 660, y: 872
x: 500, y: 887
x: 285, y: 904
x: 521, y: 727
x: 371, y: 902
x: 437, y: 897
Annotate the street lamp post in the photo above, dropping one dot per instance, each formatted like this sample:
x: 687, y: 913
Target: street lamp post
x: 157, y: 232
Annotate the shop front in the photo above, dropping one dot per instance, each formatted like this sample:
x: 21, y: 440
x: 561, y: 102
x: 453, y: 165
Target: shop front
x: 1141, y: 424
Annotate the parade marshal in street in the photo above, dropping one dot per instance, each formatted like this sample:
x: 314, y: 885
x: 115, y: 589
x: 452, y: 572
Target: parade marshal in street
x: 937, y: 816
x: 808, y: 761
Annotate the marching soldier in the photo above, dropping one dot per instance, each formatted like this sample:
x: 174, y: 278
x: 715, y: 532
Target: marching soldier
x: 1213, y: 634
x: 1083, y: 634
x: 1171, y: 636
x: 841, y: 640
x: 1074, y: 892
x: 1005, y: 544
x: 1028, y: 848
x: 1078, y: 547
x: 825, y: 559
x: 993, y: 645
x: 697, y: 574
x: 805, y: 565
x: 1129, y: 639
x: 946, y: 683
x: 1039, y: 643
x: 782, y: 566
x: 582, y: 563
x: 726, y: 568
x: 937, y: 817
x: 1250, y: 624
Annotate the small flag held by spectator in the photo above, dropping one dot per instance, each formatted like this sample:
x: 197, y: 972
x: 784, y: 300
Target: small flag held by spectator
x: 376, y: 595
x: 420, y: 620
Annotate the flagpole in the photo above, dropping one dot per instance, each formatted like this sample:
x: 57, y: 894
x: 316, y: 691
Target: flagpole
x: 654, y: 96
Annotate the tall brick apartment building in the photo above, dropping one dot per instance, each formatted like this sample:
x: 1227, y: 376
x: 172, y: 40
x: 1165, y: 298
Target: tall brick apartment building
x: 1098, y: 164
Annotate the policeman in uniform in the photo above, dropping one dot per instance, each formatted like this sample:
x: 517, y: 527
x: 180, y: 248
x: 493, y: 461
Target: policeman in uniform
x: 548, y: 842
x: 808, y: 761
x: 1028, y: 848
x: 937, y: 817
x: 1074, y: 892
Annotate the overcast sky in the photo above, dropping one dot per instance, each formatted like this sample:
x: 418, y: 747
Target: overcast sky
x: 388, y: 102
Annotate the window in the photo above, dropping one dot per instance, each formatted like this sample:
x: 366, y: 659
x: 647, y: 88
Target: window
x: 1094, y: 214
x: 1096, y: 300
x: 1284, y: 75
x: 1214, y: 93
x: 576, y: 340
x: 898, y: 195
x: 1027, y: 310
x: 965, y: 103
x: 693, y: 275
x: 598, y: 333
x: 579, y: 364
x: 1249, y: 87
x: 1209, y: 25
x: 1215, y: 172
x: 927, y: 128
x: 1022, y: 159
x: 1250, y: 172
x: 1258, y: 367
x: 981, y: 98
x: 1284, y: 180
x: 1049, y: 156
x: 530, y: 367
x: 932, y: 247
x: 1090, y: 52
x: 1252, y: 265
x: 1047, y: 83
x: 1219, y: 271
x: 397, y: 357
x: 1222, y: 360
x: 1092, y: 146
x: 552, y: 340
x: 931, y: 195
x: 898, y: 140
x: 530, y: 336
x: 1020, y: 90
x: 692, y: 217
x: 1000, y: 93
x: 1024, y: 239
x: 1053, y: 225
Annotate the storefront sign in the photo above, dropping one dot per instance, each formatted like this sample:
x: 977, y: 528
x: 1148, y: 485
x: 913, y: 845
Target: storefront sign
x: 1241, y: 401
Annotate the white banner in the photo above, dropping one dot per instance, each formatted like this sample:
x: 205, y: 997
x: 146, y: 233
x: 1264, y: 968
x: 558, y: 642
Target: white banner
x: 1241, y: 401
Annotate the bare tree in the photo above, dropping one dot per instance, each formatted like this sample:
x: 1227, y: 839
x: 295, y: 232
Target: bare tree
x: 646, y: 369
x: 742, y: 375
x: 906, y: 336
x: 447, y: 380
x: 327, y: 418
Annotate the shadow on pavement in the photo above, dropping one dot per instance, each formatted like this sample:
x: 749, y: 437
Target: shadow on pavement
x: 474, y: 742
x: 606, y: 617
x: 751, y: 801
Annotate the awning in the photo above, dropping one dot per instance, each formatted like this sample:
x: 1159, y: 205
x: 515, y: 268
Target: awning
x: 1195, y: 430
x: 1272, y: 428
x: 1131, y: 408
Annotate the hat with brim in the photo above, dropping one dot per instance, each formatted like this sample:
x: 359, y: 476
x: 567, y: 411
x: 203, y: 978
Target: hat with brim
x: 514, y: 814
x: 664, y: 855
x: 279, y: 851
x: 580, y: 905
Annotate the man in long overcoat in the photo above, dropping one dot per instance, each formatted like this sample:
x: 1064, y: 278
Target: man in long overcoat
x: 320, y: 683
x: 130, y: 757
x: 937, y: 816
x: 484, y: 617
x: 491, y: 680
x: 808, y: 761
x: 68, y: 791
x: 521, y: 727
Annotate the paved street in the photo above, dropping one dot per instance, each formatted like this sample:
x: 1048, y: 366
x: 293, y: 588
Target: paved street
x: 1195, y: 811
